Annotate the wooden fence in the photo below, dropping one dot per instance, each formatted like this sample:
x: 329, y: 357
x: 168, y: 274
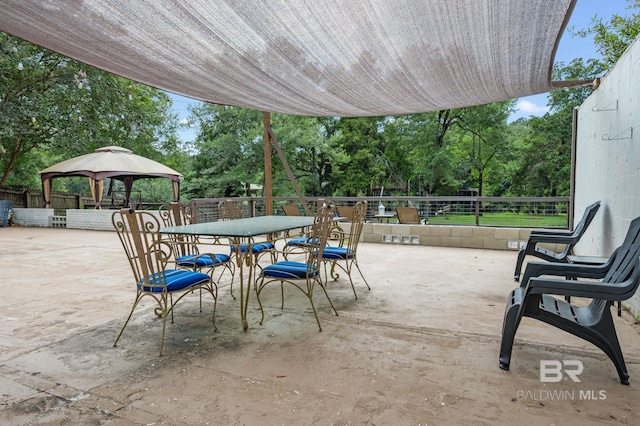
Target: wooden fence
x: 28, y: 198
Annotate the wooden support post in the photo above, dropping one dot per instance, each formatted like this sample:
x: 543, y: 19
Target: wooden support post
x: 292, y: 178
x: 268, y: 179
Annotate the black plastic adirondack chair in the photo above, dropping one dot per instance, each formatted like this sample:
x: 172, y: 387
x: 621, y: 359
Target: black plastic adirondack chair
x: 619, y: 278
x: 569, y: 238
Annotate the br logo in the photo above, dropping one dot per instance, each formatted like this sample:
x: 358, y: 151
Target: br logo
x: 552, y: 370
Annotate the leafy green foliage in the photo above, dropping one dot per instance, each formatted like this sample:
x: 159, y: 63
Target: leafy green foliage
x: 53, y: 108
x: 545, y: 163
x: 614, y: 35
x: 229, y: 151
x: 484, y: 144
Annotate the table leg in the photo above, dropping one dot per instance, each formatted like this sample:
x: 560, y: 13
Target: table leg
x: 244, y: 260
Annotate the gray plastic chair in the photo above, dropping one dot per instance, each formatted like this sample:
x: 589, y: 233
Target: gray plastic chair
x: 535, y: 298
x: 6, y: 210
x: 569, y: 238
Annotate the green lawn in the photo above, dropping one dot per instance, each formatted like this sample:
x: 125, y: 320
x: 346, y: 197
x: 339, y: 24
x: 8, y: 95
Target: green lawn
x: 517, y: 220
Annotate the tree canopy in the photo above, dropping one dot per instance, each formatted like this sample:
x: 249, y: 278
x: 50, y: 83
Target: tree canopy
x: 53, y: 108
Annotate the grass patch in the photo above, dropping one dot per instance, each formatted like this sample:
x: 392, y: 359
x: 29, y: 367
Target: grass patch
x: 516, y: 220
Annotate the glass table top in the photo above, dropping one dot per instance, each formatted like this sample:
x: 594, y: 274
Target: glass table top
x: 247, y: 227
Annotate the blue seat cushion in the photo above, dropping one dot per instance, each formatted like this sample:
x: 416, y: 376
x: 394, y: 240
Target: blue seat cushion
x: 292, y: 270
x: 176, y: 279
x: 202, y: 261
x: 300, y: 242
x: 255, y: 248
x: 337, y: 253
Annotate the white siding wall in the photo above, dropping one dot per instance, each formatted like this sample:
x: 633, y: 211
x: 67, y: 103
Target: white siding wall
x: 608, y: 157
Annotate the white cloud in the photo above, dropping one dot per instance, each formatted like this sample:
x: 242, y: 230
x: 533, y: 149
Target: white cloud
x: 531, y: 108
x: 186, y: 122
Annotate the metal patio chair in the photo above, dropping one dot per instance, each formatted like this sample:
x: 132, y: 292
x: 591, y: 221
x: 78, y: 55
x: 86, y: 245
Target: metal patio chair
x: 303, y: 275
x: 185, y: 247
x: 148, y: 257
x: 408, y: 215
x: 231, y: 210
x: 346, y: 255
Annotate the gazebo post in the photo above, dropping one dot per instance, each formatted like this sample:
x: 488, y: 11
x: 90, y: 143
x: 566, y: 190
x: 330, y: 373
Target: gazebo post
x: 46, y: 191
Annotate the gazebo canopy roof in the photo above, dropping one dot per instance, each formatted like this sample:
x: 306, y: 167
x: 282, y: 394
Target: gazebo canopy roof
x: 110, y: 161
x: 321, y: 57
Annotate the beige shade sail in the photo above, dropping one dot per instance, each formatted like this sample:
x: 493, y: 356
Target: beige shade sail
x: 109, y: 162
x: 316, y: 58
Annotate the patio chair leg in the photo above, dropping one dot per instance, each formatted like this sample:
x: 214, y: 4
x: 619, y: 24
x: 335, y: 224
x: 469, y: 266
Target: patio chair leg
x: 510, y: 326
x: 328, y: 298
x: 361, y: 274
x: 521, y: 255
x: 164, y: 326
x: 133, y: 308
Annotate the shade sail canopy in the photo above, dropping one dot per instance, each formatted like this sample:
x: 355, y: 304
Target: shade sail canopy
x: 318, y: 58
x: 109, y: 162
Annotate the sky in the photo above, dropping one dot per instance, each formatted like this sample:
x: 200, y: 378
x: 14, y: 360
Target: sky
x: 568, y: 49
x: 573, y: 47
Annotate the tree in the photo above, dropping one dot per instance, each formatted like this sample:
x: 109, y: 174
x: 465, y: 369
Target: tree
x: 546, y: 156
x: 229, y: 151
x: 316, y: 166
x: 424, y: 150
x: 28, y: 117
x: 360, y: 140
x: 613, y: 36
x: 54, y: 108
x: 484, y: 139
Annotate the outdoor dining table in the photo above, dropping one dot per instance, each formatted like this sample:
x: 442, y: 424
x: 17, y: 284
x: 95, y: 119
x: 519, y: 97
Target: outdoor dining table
x: 242, y: 231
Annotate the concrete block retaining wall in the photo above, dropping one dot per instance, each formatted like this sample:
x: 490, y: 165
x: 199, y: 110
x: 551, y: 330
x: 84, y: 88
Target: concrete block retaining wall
x: 90, y: 219
x: 449, y: 236
x: 74, y: 219
x: 381, y: 233
x: 32, y: 217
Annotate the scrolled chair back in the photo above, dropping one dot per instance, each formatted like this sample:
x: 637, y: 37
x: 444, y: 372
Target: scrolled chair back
x: 319, y: 232
x: 359, y: 216
x: 148, y: 254
x: 230, y: 210
x: 175, y: 214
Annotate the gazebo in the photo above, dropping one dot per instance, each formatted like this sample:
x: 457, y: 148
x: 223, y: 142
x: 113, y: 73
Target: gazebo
x: 109, y: 162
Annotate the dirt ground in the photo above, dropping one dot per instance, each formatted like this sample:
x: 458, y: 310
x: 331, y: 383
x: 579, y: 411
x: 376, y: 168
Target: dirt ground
x: 420, y: 348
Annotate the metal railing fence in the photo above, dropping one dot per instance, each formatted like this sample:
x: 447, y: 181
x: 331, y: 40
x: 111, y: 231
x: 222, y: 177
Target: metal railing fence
x: 518, y: 212
x: 529, y: 212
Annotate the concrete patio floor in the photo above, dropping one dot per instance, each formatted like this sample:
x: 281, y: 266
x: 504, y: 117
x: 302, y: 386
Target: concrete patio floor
x: 420, y: 348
